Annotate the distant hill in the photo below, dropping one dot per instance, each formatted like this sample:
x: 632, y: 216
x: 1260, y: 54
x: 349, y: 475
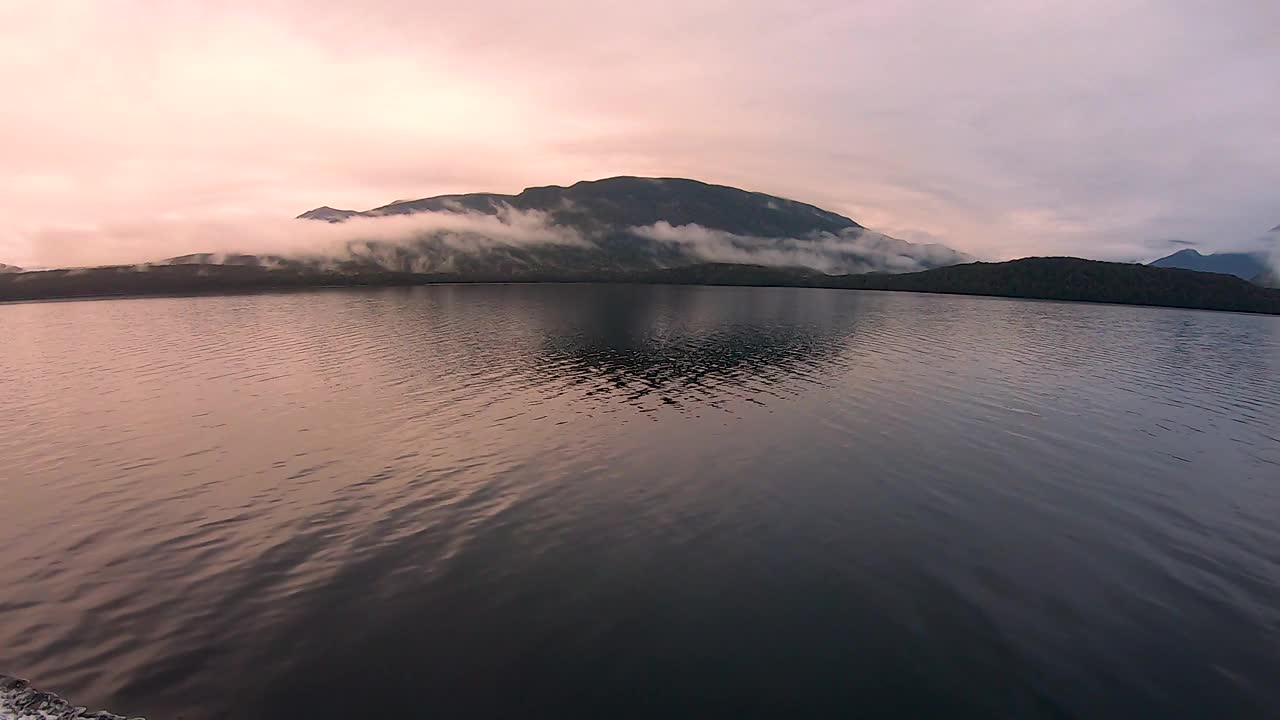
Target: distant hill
x: 1044, y: 278
x: 1088, y: 281
x: 9, y: 268
x: 627, y: 224
x: 1048, y: 278
x: 1243, y: 265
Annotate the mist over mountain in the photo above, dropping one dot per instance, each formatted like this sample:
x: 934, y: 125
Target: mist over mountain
x: 9, y: 268
x: 630, y: 229
x: 1271, y: 276
x: 625, y: 224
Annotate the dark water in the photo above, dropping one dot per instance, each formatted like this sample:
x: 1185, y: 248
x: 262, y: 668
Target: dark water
x: 594, y: 501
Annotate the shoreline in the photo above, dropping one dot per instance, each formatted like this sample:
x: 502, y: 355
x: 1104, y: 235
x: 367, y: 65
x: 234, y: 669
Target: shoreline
x: 293, y: 288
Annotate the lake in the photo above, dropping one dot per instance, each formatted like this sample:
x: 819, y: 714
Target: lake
x: 640, y: 501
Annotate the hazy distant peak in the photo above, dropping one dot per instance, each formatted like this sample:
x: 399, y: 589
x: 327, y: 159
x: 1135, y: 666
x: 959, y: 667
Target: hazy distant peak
x: 327, y: 214
x: 1244, y: 265
x: 9, y: 268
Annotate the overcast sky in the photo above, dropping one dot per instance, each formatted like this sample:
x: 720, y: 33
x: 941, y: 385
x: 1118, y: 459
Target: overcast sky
x: 1101, y: 128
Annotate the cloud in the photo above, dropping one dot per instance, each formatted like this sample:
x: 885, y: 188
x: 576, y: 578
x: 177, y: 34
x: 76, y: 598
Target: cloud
x: 466, y: 232
x: 1272, y: 246
x: 851, y: 251
x: 151, y: 240
x: 1045, y: 127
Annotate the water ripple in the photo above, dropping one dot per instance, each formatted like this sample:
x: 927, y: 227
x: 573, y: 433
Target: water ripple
x: 698, y: 499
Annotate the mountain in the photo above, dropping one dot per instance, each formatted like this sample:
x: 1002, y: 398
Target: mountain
x: 1043, y: 278
x: 9, y: 268
x: 1269, y: 279
x: 646, y: 230
x: 622, y: 202
x: 1243, y: 265
x: 621, y: 224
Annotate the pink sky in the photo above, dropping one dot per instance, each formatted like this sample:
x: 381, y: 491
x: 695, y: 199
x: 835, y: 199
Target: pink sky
x: 1103, y: 129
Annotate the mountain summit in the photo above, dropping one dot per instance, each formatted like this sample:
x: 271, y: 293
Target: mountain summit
x: 624, y: 224
x: 637, y: 202
x: 327, y: 214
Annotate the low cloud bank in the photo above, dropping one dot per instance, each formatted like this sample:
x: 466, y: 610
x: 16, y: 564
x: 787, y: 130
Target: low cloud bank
x: 157, y: 239
x: 851, y: 251
x: 445, y: 240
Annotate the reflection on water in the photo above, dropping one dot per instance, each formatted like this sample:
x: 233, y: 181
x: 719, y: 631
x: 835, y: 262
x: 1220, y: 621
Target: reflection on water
x: 693, y: 346
x: 649, y: 501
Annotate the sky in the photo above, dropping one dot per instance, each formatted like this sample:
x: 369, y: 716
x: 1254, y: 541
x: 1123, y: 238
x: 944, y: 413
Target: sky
x: 1116, y: 129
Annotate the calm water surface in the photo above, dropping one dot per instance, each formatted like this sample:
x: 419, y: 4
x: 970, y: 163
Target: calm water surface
x: 595, y: 501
